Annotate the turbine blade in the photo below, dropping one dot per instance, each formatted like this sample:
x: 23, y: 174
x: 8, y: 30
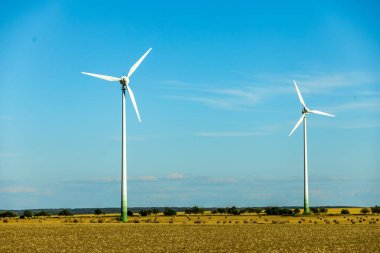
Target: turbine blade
x: 134, y: 67
x: 298, y: 123
x: 321, y: 113
x: 299, y: 95
x: 133, y: 102
x: 108, y: 78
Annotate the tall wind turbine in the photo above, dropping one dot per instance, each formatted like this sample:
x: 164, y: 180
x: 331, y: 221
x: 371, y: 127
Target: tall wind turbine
x: 305, y: 111
x: 124, y: 81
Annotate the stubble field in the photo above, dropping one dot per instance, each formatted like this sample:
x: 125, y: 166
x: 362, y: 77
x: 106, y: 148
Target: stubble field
x: 242, y: 234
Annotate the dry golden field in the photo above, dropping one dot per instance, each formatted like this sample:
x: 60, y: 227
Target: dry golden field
x: 183, y: 233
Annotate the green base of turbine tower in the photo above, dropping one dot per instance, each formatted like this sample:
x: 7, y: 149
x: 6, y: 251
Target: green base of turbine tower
x: 306, y: 207
x: 124, y: 213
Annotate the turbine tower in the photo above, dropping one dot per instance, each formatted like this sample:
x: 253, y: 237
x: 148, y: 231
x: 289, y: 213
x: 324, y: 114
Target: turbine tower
x: 305, y: 111
x: 124, y: 81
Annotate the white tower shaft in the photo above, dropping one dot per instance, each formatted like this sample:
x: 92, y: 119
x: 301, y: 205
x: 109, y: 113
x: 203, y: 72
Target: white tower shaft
x: 306, y: 181
x: 123, y: 161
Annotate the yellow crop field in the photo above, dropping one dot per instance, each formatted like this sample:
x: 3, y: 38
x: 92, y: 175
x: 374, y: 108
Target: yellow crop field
x: 192, y: 233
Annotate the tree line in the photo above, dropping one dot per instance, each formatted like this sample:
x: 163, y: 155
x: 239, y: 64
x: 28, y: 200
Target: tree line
x: 199, y: 210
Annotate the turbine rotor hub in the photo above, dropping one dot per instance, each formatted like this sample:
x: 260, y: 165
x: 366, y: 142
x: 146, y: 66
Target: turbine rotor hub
x: 305, y: 110
x: 124, y: 80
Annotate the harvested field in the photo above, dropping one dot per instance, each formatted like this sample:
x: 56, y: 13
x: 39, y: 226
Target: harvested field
x: 118, y: 237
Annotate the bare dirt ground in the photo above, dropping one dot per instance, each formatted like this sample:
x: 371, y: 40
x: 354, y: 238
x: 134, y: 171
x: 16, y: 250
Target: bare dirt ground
x: 180, y: 237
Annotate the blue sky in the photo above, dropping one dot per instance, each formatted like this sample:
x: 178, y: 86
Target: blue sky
x: 215, y: 95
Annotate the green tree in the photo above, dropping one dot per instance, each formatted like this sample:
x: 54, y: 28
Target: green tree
x: 155, y: 211
x: 8, y: 214
x: 233, y: 210
x: 194, y: 210
x: 257, y: 210
x: 365, y: 210
x: 168, y: 211
x: 65, y: 212
x: 375, y: 209
x: 42, y: 213
x: 345, y: 211
x: 323, y: 210
x: 315, y: 210
x: 28, y: 213
x: 296, y: 211
x: 145, y: 212
x: 278, y: 211
x: 98, y: 211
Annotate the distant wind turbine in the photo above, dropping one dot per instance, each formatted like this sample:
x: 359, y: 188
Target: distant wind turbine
x: 305, y: 111
x: 124, y: 81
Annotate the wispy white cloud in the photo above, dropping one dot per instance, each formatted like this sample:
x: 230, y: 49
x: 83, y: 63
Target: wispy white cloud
x: 246, y: 93
x: 231, y: 99
x: 112, y: 180
x: 252, y: 89
x: 370, y: 105
x: 145, y: 178
x: 321, y: 82
x: 175, y: 176
x: 106, y: 180
x: 198, y: 180
x: 100, y: 180
x: 313, y: 81
x: 213, y: 102
x: 223, y: 180
x: 361, y: 125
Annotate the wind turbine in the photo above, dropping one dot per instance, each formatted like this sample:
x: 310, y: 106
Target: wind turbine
x: 305, y: 111
x: 124, y: 81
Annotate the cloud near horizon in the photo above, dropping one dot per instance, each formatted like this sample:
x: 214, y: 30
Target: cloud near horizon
x: 177, y: 189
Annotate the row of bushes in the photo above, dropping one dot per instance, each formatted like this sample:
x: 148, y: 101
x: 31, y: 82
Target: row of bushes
x: 197, y: 210
x: 375, y: 209
x: 236, y: 211
x: 275, y: 210
x: 29, y: 214
x: 147, y: 212
x: 8, y: 214
x: 316, y: 210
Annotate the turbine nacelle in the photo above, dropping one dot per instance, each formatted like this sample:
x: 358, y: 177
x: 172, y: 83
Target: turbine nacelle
x: 124, y: 81
x: 305, y: 110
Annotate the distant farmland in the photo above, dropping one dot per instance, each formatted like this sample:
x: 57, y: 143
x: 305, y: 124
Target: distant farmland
x: 120, y: 237
x: 192, y: 233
